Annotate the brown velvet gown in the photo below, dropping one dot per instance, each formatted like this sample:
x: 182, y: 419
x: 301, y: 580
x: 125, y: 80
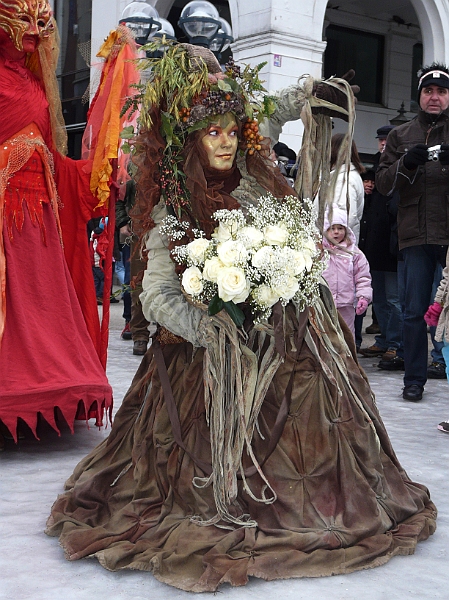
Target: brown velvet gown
x: 344, y: 502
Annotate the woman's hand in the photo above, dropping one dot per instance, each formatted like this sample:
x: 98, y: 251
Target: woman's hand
x: 334, y: 95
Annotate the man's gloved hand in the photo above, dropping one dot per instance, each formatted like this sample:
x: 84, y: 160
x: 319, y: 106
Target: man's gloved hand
x: 444, y: 154
x: 415, y: 156
x: 433, y: 314
x: 332, y: 94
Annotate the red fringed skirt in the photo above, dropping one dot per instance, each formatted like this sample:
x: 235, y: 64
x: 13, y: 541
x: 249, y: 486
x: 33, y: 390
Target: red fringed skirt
x: 47, y: 358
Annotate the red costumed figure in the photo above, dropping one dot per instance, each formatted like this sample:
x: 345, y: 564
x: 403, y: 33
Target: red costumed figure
x: 50, y: 342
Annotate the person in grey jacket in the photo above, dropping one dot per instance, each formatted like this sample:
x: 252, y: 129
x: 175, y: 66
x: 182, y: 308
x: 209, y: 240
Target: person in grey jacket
x: 421, y: 176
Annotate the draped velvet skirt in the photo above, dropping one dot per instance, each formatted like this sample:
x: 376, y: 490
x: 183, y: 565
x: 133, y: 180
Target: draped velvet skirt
x: 344, y: 502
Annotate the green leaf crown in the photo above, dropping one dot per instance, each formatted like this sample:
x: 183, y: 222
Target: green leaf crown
x: 181, y: 88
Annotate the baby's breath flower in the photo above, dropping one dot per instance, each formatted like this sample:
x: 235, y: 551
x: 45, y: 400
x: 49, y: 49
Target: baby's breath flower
x: 270, y: 255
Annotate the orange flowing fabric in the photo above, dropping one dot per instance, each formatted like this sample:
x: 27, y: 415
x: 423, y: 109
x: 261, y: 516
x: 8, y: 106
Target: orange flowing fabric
x: 101, y: 141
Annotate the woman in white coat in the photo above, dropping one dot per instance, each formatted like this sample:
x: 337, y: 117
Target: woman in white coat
x: 349, y: 183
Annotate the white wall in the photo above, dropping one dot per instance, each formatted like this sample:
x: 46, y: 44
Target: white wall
x: 105, y: 16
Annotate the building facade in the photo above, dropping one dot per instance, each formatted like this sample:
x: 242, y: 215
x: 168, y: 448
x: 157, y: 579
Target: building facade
x: 384, y: 41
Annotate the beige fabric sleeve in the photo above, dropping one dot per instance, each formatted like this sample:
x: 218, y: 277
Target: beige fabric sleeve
x: 289, y: 106
x: 162, y: 298
x: 441, y: 293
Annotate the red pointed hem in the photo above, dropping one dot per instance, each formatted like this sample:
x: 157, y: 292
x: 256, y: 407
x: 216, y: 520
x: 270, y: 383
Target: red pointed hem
x: 74, y: 403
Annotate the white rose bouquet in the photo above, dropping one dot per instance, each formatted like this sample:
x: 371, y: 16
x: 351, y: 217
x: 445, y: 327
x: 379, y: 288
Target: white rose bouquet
x: 269, y: 256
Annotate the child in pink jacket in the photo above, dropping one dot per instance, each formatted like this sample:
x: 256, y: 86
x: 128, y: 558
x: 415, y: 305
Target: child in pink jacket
x: 347, y: 272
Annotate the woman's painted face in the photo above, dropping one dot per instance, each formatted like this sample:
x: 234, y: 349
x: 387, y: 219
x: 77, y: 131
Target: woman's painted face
x: 221, y: 141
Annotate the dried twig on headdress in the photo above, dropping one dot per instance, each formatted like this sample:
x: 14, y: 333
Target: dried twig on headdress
x: 314, y: 169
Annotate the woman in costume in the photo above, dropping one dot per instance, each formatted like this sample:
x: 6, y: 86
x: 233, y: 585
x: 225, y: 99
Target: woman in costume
x: 49, y: 362
x: 238, y: 451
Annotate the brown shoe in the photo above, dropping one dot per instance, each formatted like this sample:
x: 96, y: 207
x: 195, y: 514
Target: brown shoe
x: 372, y: 351
x: 389, y: 355
x: 140, y: 347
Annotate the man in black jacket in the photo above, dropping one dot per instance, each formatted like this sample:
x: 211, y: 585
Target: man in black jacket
x: 422, y: 180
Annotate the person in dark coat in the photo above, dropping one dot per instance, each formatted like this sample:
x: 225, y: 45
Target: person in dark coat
x: 381, y: 251
x: 422, y: 182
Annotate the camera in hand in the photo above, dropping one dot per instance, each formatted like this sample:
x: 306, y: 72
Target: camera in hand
x: 433, y: 153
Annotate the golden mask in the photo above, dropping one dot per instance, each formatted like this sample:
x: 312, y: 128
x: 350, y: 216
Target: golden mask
x: 31, y: 17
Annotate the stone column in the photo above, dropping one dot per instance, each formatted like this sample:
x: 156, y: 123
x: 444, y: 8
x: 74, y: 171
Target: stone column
x: 285, y: 35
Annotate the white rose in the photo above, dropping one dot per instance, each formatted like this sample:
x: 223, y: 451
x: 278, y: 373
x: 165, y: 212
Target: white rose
x: 262, y: 257
x: 288, y: 289
x: 223, y: 233
x: 265, y: 295
x: 309, y: 249
x: 232, y: 285
x: 192, y: 281
x: 309, y: 246
x: 251, y: 235
x: 295, y: 261
x: 231, y: 252
x: 211, y: 268
x: 243, y: 295
x: 309, y: 261
x: 276, y: 235
x: 197, y: 250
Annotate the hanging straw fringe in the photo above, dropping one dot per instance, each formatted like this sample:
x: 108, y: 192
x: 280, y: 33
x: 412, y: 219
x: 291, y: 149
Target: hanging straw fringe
x: 314, y: 168
x: 235, y: 387
x: 321, y: 326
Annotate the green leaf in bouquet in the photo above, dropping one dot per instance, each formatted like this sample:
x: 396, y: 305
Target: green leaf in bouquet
x: 215, y: 305
x: 224, y: 86
x: 234, y: 312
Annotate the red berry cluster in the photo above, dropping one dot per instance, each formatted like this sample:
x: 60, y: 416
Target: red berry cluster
x: 184, y: 114
x: 252, y: 136
x: 170, y: 186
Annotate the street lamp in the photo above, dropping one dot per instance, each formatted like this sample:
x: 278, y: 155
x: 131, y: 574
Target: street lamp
x: 166, y: 29
x: 200, y: 22
x: 222, y: 40
x: 400, y: 119
x: 143, y: 20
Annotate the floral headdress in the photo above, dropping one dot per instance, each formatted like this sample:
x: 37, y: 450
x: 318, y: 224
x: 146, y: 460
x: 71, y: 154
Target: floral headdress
x: 185, y: 88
